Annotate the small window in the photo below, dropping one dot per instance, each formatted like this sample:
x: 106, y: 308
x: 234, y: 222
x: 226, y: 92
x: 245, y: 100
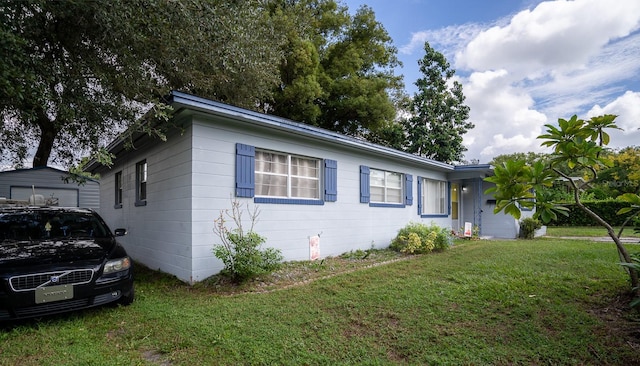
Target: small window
x: 286, y: 176
x: 386, y: 187
x: 118, y: 189
x: 434, y: 198
x: 141, y: 183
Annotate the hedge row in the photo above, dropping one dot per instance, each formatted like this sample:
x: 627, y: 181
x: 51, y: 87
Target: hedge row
x: 605, y: 209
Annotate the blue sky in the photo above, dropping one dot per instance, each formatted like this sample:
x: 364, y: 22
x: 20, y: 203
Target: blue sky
x: 525, y: 63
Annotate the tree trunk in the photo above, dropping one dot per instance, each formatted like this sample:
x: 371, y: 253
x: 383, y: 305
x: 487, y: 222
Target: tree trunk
x: 622, y: 251
x: 48, y: 133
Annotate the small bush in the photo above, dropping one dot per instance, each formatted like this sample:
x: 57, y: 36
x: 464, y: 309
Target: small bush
x: 528, y: 227
x: 240, y: 251
x: 417, y: 238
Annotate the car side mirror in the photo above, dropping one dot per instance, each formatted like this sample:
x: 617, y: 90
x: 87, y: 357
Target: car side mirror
x: 121, y: 232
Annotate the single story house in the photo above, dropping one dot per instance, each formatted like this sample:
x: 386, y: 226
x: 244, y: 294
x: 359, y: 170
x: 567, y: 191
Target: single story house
x: 51, y: 186
x: 310, y: 185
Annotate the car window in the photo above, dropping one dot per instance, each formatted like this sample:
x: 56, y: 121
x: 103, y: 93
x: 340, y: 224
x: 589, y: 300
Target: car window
x: 42, y: 225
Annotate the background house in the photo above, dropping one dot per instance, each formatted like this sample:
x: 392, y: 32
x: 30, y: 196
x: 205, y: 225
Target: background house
x: 49, y: 184
x: 307, y: 182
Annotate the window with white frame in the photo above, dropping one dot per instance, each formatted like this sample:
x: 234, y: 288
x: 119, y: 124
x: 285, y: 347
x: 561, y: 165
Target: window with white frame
x: 386, y: 187
x: 118, y: 189
x: 286, y: 176
x: 434, y: 197
x: 141, y: 183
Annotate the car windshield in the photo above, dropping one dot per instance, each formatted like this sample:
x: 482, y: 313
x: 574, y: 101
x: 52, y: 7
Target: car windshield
x: 43, y: 225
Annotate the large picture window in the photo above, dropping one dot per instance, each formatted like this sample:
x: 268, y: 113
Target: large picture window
x: 274, y: 177
x: 386, y: 187
x: 434, y: 197
x: 286, y: 176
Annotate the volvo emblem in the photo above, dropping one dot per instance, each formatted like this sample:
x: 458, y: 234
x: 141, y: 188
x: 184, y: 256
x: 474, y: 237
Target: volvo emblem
x: 55, y: 279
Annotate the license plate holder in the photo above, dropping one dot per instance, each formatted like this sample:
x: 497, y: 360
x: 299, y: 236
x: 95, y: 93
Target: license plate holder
x: 53, y: 293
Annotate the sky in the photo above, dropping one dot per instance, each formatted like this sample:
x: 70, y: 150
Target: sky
x: 525, y: 63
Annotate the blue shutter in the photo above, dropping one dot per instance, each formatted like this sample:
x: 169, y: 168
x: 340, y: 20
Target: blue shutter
x: 365, y: 193
x: 419, y: 195
x: 245, y: 170
x: 408, y: 189
x: 330, y: 180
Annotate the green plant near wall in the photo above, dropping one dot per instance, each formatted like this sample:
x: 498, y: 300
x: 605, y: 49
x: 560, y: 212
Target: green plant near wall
x: 240, y: 250
x: 528, y: 227
x: 418, y: 238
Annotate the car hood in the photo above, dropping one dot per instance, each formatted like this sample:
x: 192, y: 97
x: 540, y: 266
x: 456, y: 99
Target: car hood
x: 20, y: 253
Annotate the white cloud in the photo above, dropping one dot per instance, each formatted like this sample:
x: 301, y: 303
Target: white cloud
x: 554, y: 36
x: 627, y: 108
x: 551, y: 61
x: 559, y: 59
x: 503, y: 116
x: 450, y: 38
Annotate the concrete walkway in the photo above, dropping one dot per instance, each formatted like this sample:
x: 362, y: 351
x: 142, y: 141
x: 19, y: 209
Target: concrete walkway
x: 626, y: 240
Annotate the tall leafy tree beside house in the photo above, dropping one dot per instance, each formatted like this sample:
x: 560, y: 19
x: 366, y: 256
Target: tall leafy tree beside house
x: 338, y: 68
x: 438, y: 116
x: 76, y: 73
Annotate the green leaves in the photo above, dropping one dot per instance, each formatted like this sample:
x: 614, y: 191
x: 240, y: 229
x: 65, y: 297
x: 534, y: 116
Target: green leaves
x: 577, y: 143
x: 439, y: 116
x: 597, y: 126
x: 633, y: 199
x: 338, y: 68
x: 518, y: 186
x: 81, y: 72
x: 577, y: 147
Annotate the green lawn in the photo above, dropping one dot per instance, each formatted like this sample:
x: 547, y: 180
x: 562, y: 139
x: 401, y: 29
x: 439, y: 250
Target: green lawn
x: 512, y: 302
x: 587, y: 231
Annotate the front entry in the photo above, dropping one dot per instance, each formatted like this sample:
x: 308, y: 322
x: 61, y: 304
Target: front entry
x: 455, y: 207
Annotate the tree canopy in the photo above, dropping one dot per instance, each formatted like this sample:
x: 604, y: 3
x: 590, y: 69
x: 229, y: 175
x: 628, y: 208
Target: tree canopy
x: 338, y: 68
x: 623, y: 175
x: 75, y: 74
x: 438, y: 116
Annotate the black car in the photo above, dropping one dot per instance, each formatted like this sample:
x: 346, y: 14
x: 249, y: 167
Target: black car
x: 55, y: 260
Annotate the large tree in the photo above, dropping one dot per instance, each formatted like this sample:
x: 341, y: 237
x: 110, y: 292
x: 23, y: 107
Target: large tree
x: 338, y: 70
x: 75, y: 73
x: 623, y: 176
x: 439, y: 117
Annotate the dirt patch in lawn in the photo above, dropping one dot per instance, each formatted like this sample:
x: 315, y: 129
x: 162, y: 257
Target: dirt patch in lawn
x: 620, y: 320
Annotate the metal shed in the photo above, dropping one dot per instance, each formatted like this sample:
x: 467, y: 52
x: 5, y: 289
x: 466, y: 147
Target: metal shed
x: 51, y: 186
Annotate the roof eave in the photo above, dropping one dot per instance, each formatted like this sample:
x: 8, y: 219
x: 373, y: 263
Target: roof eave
x: 181, y: 100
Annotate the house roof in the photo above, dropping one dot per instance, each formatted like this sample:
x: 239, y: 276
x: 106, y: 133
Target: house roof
x: 181, y: 101
x: 184, y: 103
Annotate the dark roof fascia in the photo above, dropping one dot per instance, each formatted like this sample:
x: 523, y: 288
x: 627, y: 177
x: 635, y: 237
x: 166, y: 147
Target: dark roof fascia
x: 180, y: 100
x: 475, y: 170
x: 474, y: 167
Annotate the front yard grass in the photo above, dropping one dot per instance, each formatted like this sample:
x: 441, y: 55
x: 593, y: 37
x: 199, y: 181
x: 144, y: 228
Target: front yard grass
x: 517, y: 302
x: 587, y: 231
